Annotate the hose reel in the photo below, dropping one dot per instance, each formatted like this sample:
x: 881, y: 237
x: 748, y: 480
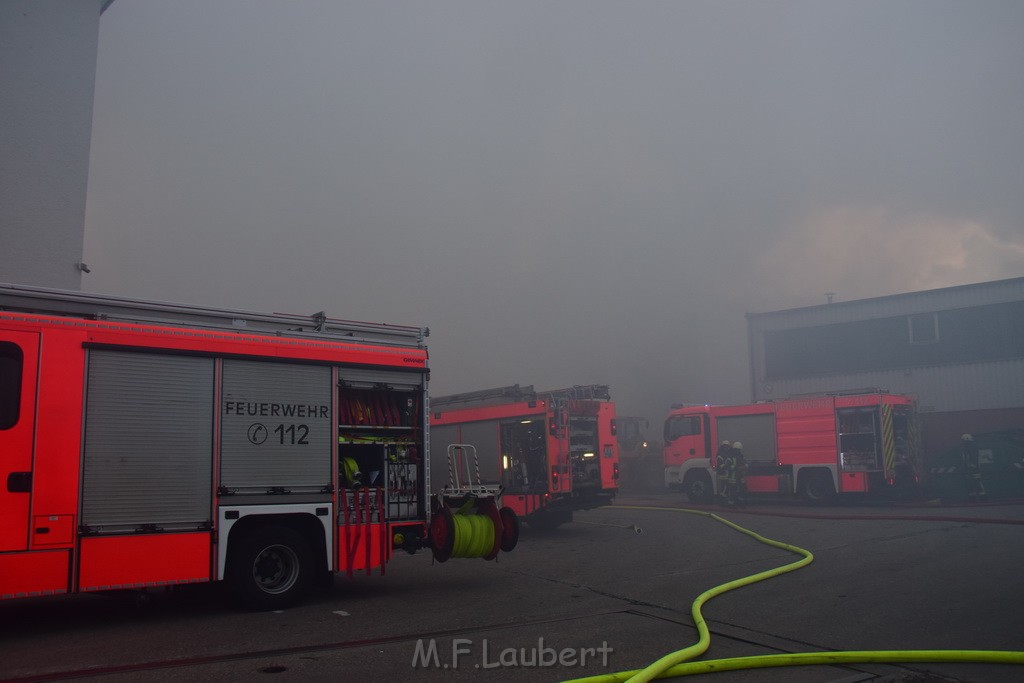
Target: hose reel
x: 467, y: 520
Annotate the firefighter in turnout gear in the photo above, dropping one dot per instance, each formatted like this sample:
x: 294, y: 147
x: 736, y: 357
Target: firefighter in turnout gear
x: 972, y: 468
x: 740, y: 469
x: 723, y: 462
x: 732, y: 469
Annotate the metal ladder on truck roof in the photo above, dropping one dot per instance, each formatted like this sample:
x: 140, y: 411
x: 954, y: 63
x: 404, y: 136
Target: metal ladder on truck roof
x: 579, y: 392
x: 496, y: 396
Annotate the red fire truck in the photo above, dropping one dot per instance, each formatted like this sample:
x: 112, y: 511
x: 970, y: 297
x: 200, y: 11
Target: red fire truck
x: 552, y: 452
x: 817, y: 447
x: 149, y: 444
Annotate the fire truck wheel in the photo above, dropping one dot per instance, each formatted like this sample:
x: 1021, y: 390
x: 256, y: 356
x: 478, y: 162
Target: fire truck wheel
x: 698, y: 487
x: 270, y: 568
x: 817, y: 487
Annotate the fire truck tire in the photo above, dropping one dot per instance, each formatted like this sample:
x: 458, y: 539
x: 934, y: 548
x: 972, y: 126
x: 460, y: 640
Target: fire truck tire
x: 698, y: 487
x: 270, y: 568
x: 816, y: 487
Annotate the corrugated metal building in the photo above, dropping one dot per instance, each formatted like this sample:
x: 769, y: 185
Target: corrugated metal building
x: 959, y: 350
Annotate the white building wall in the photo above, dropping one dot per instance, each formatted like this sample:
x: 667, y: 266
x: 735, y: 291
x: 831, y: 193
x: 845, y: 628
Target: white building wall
x: 48, y: 55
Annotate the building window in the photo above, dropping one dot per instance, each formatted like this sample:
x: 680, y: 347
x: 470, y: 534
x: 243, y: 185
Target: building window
x: 10, y: 384
x: 975, y: 334
x: 924, y: 328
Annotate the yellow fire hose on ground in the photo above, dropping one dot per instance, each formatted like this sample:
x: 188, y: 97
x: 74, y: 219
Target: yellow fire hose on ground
x: 677, y: 664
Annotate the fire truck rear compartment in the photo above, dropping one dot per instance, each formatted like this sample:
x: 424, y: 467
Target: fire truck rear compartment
x: 523, y: 443
x: 584, y: 454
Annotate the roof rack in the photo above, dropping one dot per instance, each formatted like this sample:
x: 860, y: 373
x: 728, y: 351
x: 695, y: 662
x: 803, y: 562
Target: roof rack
x: 57, y: 302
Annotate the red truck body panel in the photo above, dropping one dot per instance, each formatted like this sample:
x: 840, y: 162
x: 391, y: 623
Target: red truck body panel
x: 857, y: 443
x: 52, y: 433
x: 548, y: 455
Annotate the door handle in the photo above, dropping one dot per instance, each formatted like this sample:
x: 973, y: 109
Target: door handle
x: 19, y: 482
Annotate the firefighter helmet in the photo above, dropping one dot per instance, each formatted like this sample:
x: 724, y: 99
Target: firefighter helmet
x: 725, y: 442
x: 737, y: 445
x: 967, y: 437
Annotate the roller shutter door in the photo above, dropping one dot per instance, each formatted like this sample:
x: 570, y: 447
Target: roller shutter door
x: 276, y: 427
x: 148, y: 441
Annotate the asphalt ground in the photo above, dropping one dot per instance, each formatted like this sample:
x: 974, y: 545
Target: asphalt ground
x: 611, y: 591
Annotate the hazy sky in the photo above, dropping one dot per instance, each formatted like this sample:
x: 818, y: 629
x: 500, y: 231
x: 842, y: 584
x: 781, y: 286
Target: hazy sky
x: 565, y: 192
